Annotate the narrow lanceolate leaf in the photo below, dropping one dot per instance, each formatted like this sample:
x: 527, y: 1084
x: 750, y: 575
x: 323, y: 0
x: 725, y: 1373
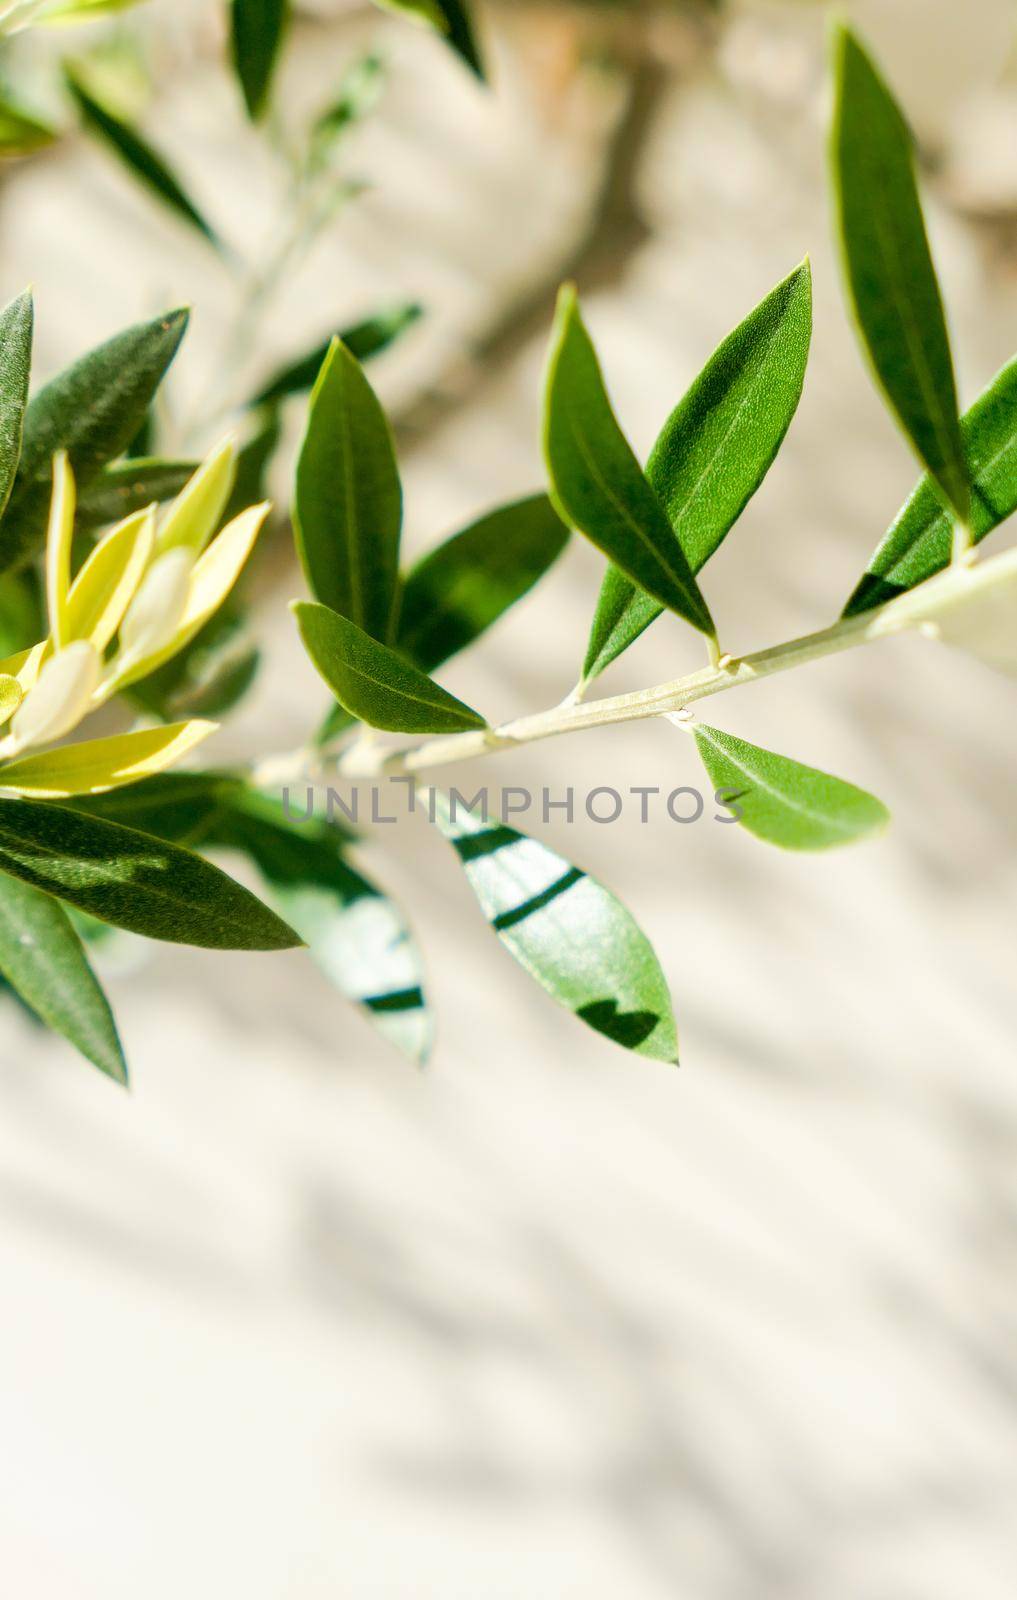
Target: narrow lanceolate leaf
x: 92, y: 410
x: 596, y: 481
x: 59, y: 535
x: 257, y: 28
x: 374, y: 683
x: 196, y: 512
x: 348, y: 508
x: 138, y: 156
x: 364, y: 340
x: 133, y: 880
x: 213, y: 577
x: 919, y: 542
x: 715, y: 450
x: 130, y: 486
x: 106, y: 584
x: 180, y: 807
x: 354, y: 931
x: 15, y: 366
x: 450, y: 18
x: 456, y: 592
x: 567, y: 931
x: 43, y: 960
x: 21, y: 132
x: 888, y: 266
x: 783, y: 802
x: 98, y: 765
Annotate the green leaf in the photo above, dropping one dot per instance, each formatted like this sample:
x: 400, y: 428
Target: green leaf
x: 179, y: 807
x: 364, y: 340
x: 355, y: 933
x: 359, y: 93
x: 783, y: 802
x: 253, y: 461
x: 257, y: 29
x: 138, y: 156
x: 16, y: 322
x: 596, y: 481
x: 348, y: 509
x: 919, y: 542
x: 567, y: 931
x: 890, y: 276
x: 96, y: 765
x: 373, y: 682
x: 129, y: 486
x: 92, y: 410
x: 450, y: 18
x: 133, y: 880
x: 715, y: 450
x: 42, y: 959
x: 457, y: 591
x: 20, y: 132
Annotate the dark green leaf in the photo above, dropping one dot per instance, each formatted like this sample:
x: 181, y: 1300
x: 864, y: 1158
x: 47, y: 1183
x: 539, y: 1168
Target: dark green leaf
x: 597, y: 482
x: 92, y: 410
x: 364, y: 340
x: 888, y: 266
x: 257, y: 28
x: 567, y: 931
x: 180, y: 807
x: 451, y: 19
x: 133, y: 880
x: 920, y: 540
x: 138, y: 156
x: 20, y: 132
x: 348, y: 508
x: 715, y: 450
x: 43, y: 960
x: 454, y: 594
x: 353, y: 930
x: 129, y: 486
x: 783, y: 802
x: 16, y: 322
x: 373, y: 682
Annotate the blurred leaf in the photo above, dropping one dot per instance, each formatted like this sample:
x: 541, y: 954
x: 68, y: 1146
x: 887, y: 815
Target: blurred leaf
x: 257, y: 29
x: 91, y: 410
x: 253, y: 460
x: 138, y: 156
x: 65, y: 11
x: 358, y: 95
x: 889, y: 269
x: 457, y: 591
x: 597, y: 482
x: 450, y: 18
x: 210, y: 675
x: 715, y: 450
x: 378, y: 686
x: 133, y: 880
x: 795, y: 807
x: 106, y: 584
x: 42, y: 959
x: 130, y: 486
x: 16, y: 322
x: 97, y: 765
x: 22, y: 618
x: 348, y: 506
x: 363, y: 340
x: 355, y: 933
x: 919, y: 543
x: 567, y: 931
x: 20, y: 132
x: 11, y: 696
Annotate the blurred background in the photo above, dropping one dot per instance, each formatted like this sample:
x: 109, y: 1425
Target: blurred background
x: 293, y: 1319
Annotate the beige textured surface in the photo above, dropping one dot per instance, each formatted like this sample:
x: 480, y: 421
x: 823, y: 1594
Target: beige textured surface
x: 290, y: 1321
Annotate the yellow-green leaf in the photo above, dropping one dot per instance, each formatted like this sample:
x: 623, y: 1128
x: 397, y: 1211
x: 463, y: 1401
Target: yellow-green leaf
x: 58, y: 548
x: 11, y: 696
x: 194, y: 516
x: 211, y: 581
x: 103, y: 589
x: 102, y: 764
x: 26, y: 665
